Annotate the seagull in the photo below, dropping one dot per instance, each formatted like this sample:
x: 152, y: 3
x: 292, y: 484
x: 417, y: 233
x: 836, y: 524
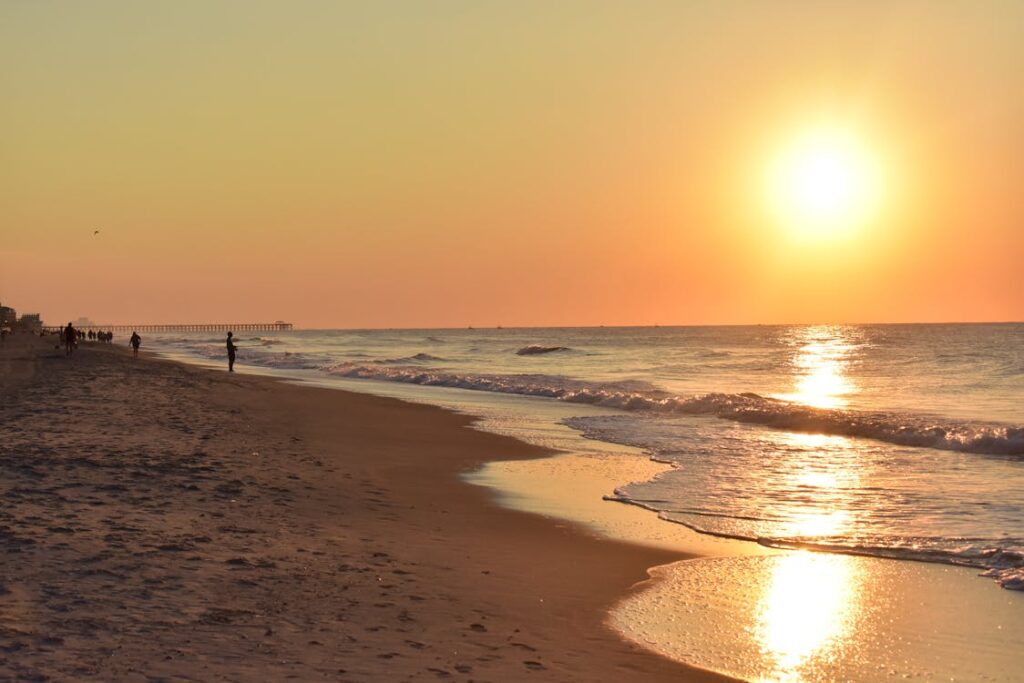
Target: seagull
x: 95, y: 232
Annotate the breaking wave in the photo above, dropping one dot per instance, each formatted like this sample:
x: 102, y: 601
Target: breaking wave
x: 895, y: 428
x: 537, y: 350
x: 905, y: 429
x: 418, y: 358
x: 887, y: 521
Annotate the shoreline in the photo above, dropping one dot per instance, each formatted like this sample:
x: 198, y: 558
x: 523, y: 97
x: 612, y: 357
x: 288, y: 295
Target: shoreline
x: 589, y: 468
x: 364, y: 555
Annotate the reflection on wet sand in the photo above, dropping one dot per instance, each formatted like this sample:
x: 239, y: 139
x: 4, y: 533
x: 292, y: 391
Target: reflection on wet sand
x: 803, y: 617
x: 807, y: 610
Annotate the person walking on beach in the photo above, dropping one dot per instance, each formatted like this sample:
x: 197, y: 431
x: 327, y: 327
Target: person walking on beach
x: 231, y: 352
x: 135, y: 341
x: 70, y: 337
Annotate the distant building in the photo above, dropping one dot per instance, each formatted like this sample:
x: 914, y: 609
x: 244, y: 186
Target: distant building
x: 8, y: 316
x: 84, y: 322
x: 30, y: 322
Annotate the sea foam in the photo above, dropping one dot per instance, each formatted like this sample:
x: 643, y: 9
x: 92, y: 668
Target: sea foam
x: 891, y: 427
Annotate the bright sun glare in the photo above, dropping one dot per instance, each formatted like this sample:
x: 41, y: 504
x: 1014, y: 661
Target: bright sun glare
x: 823, y: 181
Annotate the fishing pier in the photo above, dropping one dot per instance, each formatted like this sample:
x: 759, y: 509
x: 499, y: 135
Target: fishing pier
x: 278, y: 326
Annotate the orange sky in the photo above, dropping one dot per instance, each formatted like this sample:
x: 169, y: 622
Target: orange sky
x: 521, y: 163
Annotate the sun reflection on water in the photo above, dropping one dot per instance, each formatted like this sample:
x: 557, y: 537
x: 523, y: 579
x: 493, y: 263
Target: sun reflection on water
x: 821, y: 363
x: 807, y: 612
x: 817, y: 523
x: 816, y: 484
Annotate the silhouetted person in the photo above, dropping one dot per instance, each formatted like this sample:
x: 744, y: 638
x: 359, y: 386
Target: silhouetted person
x: 136, y: 342
x: 231, y: 352
x: 70, y: 337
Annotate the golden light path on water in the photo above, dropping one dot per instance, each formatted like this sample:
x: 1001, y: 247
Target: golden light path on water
x: 808, y: 605
x: 812, y: 616
x: 809, y: 602
x: 821, y: 504
x: 820, y: 363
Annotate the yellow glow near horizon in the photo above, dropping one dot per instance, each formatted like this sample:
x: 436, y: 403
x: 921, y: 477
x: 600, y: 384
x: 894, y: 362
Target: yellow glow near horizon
x: 823, y: 182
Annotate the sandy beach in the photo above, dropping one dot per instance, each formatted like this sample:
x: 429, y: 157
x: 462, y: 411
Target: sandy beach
x: 165, y: 522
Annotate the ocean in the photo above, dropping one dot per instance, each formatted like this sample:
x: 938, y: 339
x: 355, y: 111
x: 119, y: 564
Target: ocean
x: 898, y: 441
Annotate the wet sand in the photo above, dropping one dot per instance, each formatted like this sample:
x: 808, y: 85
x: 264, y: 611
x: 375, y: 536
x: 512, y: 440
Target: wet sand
x: 805, y: 616
x: 166, y: 522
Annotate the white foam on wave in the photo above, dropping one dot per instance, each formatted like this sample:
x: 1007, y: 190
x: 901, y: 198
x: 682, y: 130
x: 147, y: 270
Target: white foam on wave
x: 542, y: 385
x: 1004, y: 564
x: 539, y: 350
x: 901, y: 429
x: 768, y: 508
x: 896, y: 428
x: 406, y: 360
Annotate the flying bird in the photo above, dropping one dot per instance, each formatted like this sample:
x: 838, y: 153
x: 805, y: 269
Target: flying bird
x: 95, y: 232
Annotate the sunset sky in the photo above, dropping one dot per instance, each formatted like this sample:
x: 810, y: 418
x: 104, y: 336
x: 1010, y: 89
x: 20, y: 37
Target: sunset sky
x: 416, y: 164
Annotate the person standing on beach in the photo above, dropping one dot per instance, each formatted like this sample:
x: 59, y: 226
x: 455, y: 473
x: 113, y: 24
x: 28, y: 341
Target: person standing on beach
x: 70, y: 337
x: 136, y: 342
x: 231, y: 352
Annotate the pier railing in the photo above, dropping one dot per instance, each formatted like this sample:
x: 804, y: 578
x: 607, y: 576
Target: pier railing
x: 211, y: 327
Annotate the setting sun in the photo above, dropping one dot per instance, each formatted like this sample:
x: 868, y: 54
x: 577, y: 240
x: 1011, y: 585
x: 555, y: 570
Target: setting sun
x: 823, y: 181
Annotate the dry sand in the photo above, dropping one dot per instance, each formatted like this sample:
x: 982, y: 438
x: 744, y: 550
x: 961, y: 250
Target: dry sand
x: 164, y: 522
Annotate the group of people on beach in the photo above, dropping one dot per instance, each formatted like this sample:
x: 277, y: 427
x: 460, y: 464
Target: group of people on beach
x: 69, y: 336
